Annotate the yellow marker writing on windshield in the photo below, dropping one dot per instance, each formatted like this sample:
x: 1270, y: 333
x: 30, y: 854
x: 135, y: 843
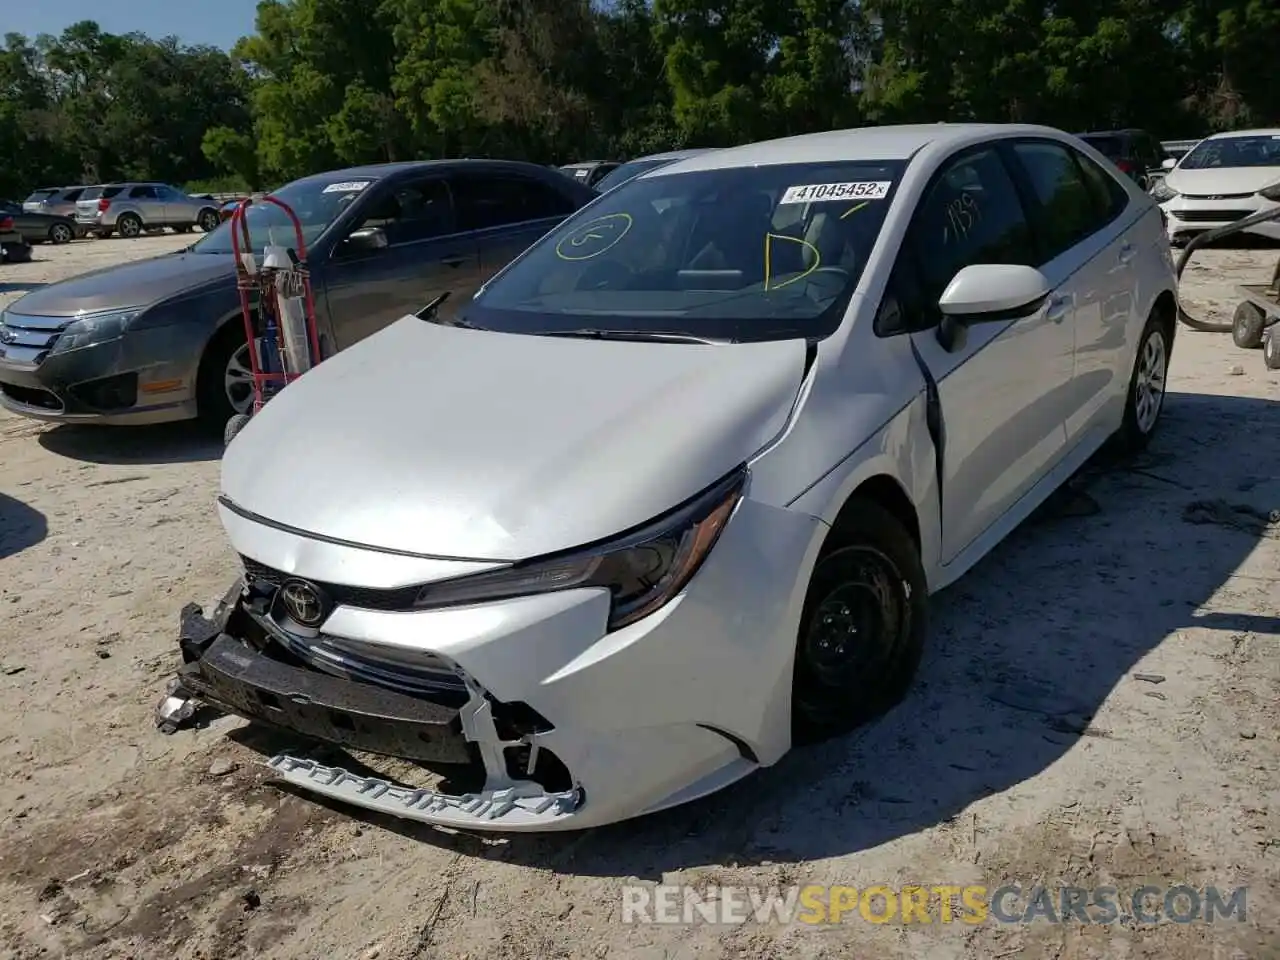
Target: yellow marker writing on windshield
x: 768, y: 259
x: 854, y: 209
x: 594, y: 237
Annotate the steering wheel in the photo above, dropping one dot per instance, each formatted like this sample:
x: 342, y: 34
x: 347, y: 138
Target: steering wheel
x: 603, y: 276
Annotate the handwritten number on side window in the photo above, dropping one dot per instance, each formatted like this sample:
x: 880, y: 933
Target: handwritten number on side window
x: 962, y: 215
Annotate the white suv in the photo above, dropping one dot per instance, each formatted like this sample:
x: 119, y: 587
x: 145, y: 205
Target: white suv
x: 132, y: 208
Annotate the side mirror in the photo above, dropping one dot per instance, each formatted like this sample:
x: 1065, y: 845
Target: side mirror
x: 366, y: 240
x: 1168, y: 164
x: 991, y: 292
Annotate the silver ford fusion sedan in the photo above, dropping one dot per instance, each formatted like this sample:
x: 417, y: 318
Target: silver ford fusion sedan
x: 671, y: 492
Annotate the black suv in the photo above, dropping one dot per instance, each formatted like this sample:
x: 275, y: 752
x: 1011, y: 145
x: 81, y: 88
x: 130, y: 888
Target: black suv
x: 1137, y: 153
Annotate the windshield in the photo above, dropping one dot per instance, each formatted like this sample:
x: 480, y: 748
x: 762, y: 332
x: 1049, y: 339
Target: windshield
x: 630, y: 170
x: 1257, y: 150
x: 754, y: 253
x: 316, y: 201
x: 1109, y: 146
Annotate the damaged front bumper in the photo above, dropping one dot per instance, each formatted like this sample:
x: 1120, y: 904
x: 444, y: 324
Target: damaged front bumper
x: 235, y: 662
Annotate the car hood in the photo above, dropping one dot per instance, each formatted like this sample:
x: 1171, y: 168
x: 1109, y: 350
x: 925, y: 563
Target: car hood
x: 1222, y: 180
x: 450, y: 442
x: 134, y: 284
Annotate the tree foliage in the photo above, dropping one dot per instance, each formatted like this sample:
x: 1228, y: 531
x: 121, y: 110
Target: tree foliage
x: 326, y: 83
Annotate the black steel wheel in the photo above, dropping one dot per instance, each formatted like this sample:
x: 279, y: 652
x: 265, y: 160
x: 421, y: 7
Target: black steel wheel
x: 863, y: 627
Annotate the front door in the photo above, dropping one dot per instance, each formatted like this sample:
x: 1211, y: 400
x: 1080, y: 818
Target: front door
x: 1000, y: 385
x: 405, y: 252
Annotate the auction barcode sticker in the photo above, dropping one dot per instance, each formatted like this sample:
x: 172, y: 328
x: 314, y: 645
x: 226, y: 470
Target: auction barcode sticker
x: 821, y: 192
x: 347, y: 186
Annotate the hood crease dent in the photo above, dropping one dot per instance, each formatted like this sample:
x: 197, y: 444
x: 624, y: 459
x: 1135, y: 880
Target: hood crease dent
x: 457, y: 443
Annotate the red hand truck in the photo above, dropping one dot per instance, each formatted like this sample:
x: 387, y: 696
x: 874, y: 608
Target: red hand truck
x: 282, y: 345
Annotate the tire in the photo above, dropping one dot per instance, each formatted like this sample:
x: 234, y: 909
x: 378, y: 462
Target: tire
x: 129, y: 225
x: 233, y: 427
x: 209, y: 220
x: 1271, y: 348
x: 225, y: 352
x: 870, y: 586
x: 61, y: 233
x: 1247, y: 325
x: 1144, y: 401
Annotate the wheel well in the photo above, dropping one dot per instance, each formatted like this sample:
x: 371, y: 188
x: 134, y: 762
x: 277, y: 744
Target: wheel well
x: 204, y: 210
x: 1166, y: 308
x: 888, y: 493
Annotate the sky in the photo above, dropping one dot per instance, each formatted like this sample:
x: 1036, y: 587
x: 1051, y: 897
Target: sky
x: 217, y: 22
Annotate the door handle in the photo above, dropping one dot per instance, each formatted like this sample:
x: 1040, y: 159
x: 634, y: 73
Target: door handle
x: 1127, y: 252
x: 1059, y: 307
x: 453, y: 260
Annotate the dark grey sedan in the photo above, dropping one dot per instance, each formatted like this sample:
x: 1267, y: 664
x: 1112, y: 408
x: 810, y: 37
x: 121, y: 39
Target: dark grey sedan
x: 163, y: 339
x: 41, y: 227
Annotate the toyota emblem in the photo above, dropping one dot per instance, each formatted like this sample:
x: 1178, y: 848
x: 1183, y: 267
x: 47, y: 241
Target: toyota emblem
x: 304, y: 602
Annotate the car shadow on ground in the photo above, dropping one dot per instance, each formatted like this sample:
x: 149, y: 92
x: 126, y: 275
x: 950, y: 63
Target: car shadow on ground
x: 162, y: 443
x: 21, y: 526
x: 1023, y: 651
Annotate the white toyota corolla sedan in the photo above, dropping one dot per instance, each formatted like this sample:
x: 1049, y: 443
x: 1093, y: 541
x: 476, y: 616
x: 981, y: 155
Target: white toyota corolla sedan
x: 672, y: 494
x: 1224, y: 178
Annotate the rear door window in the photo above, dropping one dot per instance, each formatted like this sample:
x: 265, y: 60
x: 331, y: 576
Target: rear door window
x: 496, y: 201
x: 1067, y: 211
x: 143, y: 193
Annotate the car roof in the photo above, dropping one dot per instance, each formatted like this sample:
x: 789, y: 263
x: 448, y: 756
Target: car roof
x: 1126, y: 132
x: 381, y: 171
x: 677, y: 154
x: 860, y: 143
x: 1260, y: 132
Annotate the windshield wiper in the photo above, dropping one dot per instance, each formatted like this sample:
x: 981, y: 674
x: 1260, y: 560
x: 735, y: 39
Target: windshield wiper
x: 654, y: 336
x: 429, y: 311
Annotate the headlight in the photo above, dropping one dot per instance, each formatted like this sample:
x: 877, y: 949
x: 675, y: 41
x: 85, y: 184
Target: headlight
x: 91, y: 328
x: 1271, y: 193
x: 1161, y: 192
x: 642, y: 569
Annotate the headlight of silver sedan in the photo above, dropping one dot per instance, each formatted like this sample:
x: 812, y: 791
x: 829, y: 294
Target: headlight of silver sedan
x: 642, y: 569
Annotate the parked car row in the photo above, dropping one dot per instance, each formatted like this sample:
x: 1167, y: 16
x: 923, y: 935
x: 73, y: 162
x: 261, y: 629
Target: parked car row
x: 129, y: 208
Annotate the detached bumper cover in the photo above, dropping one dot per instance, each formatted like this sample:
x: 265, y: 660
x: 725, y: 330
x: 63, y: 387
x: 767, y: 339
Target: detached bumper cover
x: 232, y: 675
x: 520, y: 805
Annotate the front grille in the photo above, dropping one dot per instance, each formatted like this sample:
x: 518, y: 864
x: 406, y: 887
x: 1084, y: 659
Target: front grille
x: 1210, y: 216
x: 1217, y: 196
x: 366, y: 598
x: 28, y: 340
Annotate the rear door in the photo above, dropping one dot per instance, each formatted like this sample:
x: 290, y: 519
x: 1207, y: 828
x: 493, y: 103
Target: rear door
x: 425, y: 256
x: 1000, y: 386
x: 1086, y: 254
x: 506, y: 213
x: 146, y: 199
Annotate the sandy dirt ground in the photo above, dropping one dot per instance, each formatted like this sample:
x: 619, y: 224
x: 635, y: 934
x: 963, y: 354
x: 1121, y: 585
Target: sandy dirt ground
x: 1098, y: 708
